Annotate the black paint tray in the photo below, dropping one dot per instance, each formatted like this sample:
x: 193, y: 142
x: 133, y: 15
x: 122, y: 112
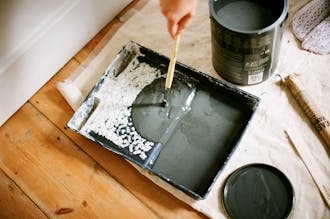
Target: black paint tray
x: 193, y: 146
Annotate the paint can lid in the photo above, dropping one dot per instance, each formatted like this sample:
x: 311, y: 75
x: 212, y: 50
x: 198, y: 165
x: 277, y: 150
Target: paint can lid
x: 258, y: 191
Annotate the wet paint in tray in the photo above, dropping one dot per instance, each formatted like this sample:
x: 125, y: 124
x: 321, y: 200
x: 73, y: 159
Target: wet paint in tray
x: 186, y: 143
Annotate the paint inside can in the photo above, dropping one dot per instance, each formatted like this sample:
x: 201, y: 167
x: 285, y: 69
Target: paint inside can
x: 246, y: 15
x: 246, y: 37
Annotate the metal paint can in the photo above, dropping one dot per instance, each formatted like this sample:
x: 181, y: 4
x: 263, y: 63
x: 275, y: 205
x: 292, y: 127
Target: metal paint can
x: 246, y: 38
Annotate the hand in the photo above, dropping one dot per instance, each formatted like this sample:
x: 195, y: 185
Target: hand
x: 178, y: 14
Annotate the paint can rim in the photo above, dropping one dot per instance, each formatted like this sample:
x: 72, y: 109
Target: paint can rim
x: 272, y: 26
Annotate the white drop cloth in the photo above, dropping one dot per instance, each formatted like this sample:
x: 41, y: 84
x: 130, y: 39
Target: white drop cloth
x: 264, y: 140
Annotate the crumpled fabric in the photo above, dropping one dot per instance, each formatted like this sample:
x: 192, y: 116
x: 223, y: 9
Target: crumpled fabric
x: 311, y: 26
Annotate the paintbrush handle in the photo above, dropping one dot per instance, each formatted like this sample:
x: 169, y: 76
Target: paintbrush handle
x: 171, y: 67
x: 310, y: 107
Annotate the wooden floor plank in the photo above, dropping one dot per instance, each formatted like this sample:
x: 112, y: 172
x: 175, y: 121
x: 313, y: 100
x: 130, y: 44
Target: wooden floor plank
x: 51, y: 103
x: 57, y: 175
x: 14, y: 203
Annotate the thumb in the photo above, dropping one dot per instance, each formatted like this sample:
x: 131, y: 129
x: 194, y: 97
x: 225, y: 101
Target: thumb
x: 172, y: 28
x: 183, y: 23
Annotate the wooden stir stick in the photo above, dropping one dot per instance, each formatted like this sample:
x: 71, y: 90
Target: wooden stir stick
x: 320, y: 178
x: 310, y: 107
x: 170, y: 71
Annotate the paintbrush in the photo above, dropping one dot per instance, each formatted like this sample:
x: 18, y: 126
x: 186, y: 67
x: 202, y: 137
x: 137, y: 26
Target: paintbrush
x: 170, y: 71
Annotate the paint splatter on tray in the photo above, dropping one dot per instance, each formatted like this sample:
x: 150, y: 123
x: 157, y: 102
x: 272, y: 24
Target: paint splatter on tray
x: 112, y: 117
x: 106, y: 118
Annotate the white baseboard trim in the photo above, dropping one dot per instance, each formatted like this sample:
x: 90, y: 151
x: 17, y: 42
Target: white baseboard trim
x: 40, y: 61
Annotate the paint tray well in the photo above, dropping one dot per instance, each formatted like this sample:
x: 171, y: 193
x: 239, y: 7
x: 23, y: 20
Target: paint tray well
x: 186, y: 143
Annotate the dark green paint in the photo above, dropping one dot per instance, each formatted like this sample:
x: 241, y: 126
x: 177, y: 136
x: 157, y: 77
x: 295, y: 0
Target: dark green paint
x: 258, y: 191
x: 196, y: 138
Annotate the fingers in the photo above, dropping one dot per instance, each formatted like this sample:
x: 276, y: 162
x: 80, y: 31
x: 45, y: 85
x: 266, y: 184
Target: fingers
x: 183, y: 23
x: 176, y: 26
x: 178, y: 14
x: 172, y: 23
x: 172, y: 28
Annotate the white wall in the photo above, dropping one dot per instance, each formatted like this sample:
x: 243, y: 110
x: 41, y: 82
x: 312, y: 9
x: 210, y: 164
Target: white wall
x: 38, y: 37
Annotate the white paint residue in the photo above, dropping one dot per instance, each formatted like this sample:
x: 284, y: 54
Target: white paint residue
x: 112, y: 118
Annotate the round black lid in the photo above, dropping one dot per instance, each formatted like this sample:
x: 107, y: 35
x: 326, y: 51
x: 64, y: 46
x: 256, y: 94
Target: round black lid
x: 258, y: 191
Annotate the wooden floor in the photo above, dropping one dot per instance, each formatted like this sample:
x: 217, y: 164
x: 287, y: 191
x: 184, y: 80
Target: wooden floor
x: 48, y: 171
